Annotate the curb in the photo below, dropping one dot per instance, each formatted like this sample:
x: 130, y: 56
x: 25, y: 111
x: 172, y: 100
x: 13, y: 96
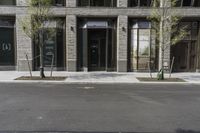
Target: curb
x: 96, y: 82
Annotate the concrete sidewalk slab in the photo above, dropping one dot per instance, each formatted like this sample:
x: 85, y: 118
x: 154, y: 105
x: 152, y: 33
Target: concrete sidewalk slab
x: 97, y: 77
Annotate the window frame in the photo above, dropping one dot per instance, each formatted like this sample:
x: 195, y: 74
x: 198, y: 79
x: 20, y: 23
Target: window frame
x: 113, y: 3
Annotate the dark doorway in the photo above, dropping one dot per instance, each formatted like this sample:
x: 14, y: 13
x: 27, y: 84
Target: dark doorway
x: 96, y: 47
x: 185, y: 56
x: 185, y: 52
x: 97, y: 50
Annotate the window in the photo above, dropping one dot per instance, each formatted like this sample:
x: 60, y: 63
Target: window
x: 196, y: 3
x: 192, y: 29
x: 7, y: 2
x: 185, y: 51
x: 187, y: 3
x: 54, y: 48
x: 51, y: 2
x: 178, y: 3
x: 95, y: 3
x: 142, y: 47
x: 133, y: 3
x: 58, y: 2
x: 145, y: 3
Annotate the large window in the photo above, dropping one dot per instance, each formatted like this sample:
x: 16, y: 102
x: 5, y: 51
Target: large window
x: 187, y: 3
x: 54, y: 48
x: 142, y: 3
x: 7, y: 2
x: 186, y: 51
x: 51, y: 2
x: 95, y: 3
x: 142, y: 49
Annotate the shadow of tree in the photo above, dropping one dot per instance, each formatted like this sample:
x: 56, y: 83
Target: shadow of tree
x: 186, y: 131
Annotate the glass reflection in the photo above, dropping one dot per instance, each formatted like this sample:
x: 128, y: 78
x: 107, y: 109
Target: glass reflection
x: 143, y: 48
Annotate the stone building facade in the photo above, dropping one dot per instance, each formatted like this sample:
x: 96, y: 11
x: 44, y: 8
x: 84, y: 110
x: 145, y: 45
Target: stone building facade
x: 97, y: 35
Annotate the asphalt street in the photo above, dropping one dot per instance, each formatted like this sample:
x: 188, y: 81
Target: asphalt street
x: 148, y: 108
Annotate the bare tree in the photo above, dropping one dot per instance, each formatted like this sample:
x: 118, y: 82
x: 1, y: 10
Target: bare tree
x: 33, y: 24
x: 165, y: 21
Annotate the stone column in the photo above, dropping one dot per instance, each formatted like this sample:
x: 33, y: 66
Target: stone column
x: 71, y: 3
x: 71, y: 42
x: 122, y: 41
x: 23, y: 46
x: 165, y: 38
x: 122, y: 3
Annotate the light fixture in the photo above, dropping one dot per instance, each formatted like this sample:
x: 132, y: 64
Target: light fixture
x: 123, y: 29
x: 72, y: 28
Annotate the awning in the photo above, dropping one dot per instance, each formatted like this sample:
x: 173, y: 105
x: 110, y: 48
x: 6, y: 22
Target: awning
x: 95, y: 25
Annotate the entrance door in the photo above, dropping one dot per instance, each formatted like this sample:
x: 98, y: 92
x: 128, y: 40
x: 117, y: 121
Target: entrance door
x: 97, y: 50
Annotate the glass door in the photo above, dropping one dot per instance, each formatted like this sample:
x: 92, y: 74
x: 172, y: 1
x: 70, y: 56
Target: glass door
x: 96, y: 45
x: 97, y: 50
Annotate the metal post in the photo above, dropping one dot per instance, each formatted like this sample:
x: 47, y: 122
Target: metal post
x: 150, y: 69
x: 52, y: 62
x: 29, y: 67
x: 171, y: 67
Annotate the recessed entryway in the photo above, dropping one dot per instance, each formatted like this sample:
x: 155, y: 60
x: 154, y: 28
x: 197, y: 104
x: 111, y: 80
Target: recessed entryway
x: 96, y: 45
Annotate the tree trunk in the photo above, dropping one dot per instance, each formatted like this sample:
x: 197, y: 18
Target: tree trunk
x: 41, y: 55
x: 162, y: 69
x: 163, y: 43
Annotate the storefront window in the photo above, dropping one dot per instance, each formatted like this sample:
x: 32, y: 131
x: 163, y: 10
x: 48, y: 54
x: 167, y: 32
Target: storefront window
x: 185, y: 51
x: 100, y: 3
x: 142, y: 46
x: 7, y: 2
x: 51, y: 2
x: 54, y: 48
x: 144, y: 42
x: 7, y: 48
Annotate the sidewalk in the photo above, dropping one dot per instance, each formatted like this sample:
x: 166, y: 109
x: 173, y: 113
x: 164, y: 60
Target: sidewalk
x: 97, y: 77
